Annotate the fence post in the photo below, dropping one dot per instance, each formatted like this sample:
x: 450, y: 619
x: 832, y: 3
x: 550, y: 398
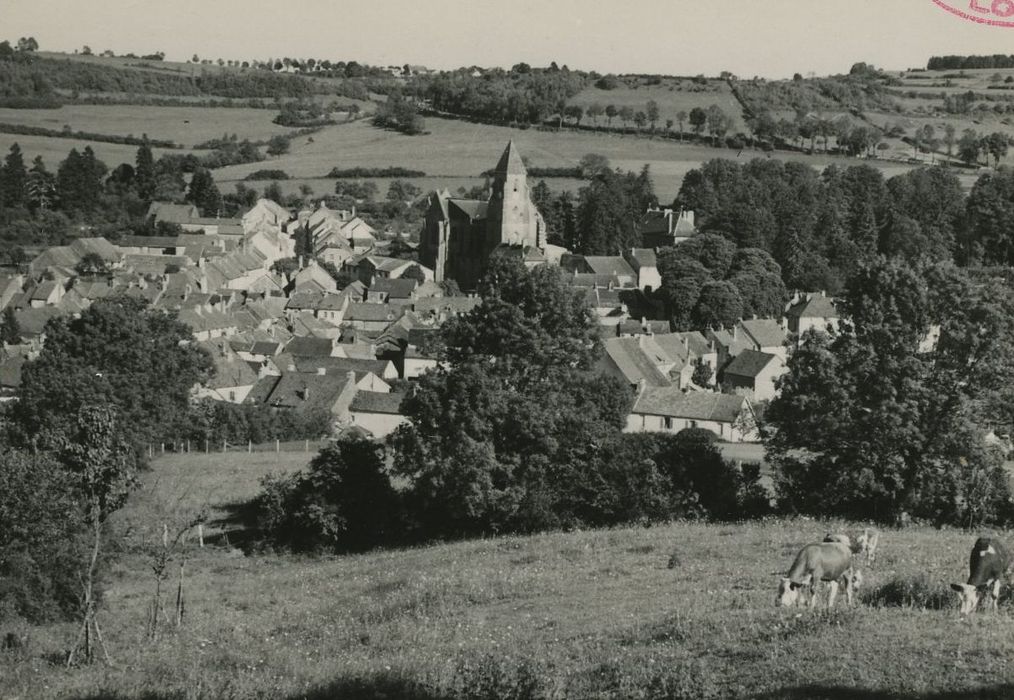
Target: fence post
x: 206, y: 446
x: 200, y: 535
x: 188, y: 445
x: 249, y: 446
x: 277, y: 446
x: 163, y: 448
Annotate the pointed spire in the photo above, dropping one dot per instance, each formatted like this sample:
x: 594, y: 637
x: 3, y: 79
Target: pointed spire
x: 510, y: 162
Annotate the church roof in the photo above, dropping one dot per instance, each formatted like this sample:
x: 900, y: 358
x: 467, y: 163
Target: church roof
x: 510, y: 162
x: 472, y: 208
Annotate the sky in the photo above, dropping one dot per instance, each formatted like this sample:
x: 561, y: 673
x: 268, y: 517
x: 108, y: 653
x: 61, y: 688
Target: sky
x: 768, y: 38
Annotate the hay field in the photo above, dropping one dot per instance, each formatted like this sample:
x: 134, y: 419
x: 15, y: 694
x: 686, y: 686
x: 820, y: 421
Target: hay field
x: 186, y: 126
x: 584, y: 615
x: 457, y: 149
x: 672, y: 97
x: 54, y: 150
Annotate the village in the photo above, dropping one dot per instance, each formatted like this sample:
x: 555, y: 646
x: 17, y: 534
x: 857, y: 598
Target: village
x: 297, y: 342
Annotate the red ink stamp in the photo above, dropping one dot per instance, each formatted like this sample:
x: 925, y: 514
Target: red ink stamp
x: 999, y: 13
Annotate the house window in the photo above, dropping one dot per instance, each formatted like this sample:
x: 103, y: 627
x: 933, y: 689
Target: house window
x: 693, y: 424
x: 232, y: 396
x: 667, y: 422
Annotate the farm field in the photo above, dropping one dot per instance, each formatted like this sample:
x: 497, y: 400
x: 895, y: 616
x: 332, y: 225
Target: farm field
x: 54, y: 150
x: 671, y: 96
x: 186, y: 126
x: 592, y: 614
x: 458, y: 149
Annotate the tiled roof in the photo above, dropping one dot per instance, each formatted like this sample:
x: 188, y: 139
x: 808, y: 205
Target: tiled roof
x: 644, y: 257
x: 399, y: 288
x: 341, y: 365
x: 305, y: 346
x: 510, y: 162
x: 361, y: 311
x: 173, y: 213
x: 376, y: 402
x: 765, y: 332
x: 471, y: 208
x: 633, y: 363
x: 307, y: 391
x: 813, y: 306
x: 609, y: 265
x: 748, y: 363
x: 703, y: 405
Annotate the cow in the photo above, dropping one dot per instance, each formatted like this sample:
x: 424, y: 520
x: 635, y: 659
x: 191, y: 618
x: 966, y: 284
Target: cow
x: 987, y: 565
x: 868, y: 542
x: 829, y: 561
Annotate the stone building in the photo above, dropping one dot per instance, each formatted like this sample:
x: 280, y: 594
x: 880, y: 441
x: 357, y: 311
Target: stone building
x: 460, y: 234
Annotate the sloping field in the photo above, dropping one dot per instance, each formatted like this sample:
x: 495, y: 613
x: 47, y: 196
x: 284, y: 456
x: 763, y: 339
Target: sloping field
x: 186, y: 126
x: 672, y: 97
x: 585, y: 615
x: 53, y: 150
x: 462, y: 149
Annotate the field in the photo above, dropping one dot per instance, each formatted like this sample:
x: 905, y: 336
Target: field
x: 456, y: 149
x: 580, y: 614
x: 186, y: 126
x: 54, y: 150
x: 673, y: 96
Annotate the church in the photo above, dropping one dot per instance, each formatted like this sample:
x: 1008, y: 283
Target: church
x: 460, y: 234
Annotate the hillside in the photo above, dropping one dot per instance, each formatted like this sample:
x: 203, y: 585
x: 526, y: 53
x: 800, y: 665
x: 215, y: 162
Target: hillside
x: 583, y: 614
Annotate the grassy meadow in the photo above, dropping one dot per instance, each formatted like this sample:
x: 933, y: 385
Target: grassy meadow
x: 187, y: 126
x: 460, y: 149
x: 594, y: 614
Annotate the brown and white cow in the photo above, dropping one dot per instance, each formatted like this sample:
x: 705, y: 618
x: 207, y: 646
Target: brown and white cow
x: 829, y: 561
x: 987, y: 565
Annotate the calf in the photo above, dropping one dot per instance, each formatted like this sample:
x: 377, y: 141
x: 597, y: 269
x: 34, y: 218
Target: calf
x: 987, y: 565
x: 868, y: 542
x: 829, y: 561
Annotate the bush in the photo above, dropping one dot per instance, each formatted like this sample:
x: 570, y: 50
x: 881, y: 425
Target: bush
x: 267, y: 174
x: 41, y: 548
x: 345, y: 502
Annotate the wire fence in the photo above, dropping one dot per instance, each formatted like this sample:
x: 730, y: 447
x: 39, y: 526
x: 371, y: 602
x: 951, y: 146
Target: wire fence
x: 156, y: 449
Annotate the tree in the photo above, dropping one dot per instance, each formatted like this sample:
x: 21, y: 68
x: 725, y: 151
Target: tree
x: 575, y: 112
x: 344, y: 502
x: 79, y: 180
x: 949, y: 138
x: 996, y: 144
x: 92, y: 264
x: 28, y: 44
x: 117, y: 353
x: 402, y: 191
x: 41, y: 544
x: 273, y: 191
x: 517, y: 368
x: 626, y: 114
x: 640, y: 119
x: 718, y: 123
x: 611, y: 113
x: 204, y: 194
x: 13, y: 179
x: 652, y: 112
x: 101, y: 466
x: 698, y: 120
x: 592, y: 165
x: 719, y: 304
x: 10, y: 329
x: 681, y: 119
x: 144, y: 171
x: 594, y: 111
x: 969, y: 147
x: 987, y: 237
x: 278, y: 145
x: 40, y: 188
x: 875, y: 421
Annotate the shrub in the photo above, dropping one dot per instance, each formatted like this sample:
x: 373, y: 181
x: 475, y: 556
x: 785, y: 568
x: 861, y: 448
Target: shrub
x: 345, y: 502
x: 267, y: 174
x: 40, y: 539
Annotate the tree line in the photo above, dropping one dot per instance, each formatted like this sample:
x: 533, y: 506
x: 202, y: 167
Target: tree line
x: 954, y: 62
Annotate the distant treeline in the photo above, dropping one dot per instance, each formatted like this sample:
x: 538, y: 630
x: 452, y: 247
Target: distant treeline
x: 41, y: 80
x: 67, y: 133
x: 522, y: 95
x: 569, y: 171
x: 998, y: 60
x: 267, y: 174
x: 393, y: 171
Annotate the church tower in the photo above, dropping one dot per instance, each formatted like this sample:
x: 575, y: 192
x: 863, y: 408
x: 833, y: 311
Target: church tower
x: 512, y: 217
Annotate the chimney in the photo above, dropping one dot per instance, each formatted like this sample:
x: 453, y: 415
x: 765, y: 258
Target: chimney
x: 351, y: 376
x: 735, y: 331
x: 300, y: 262
x: 291, y: 367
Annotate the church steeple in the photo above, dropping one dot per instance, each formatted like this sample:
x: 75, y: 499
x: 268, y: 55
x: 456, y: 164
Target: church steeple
x: 510, y: 162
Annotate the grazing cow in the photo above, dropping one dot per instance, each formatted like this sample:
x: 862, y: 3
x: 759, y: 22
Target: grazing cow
x: 829, y: 561
x: 987, y: 565
x: 868, y: 542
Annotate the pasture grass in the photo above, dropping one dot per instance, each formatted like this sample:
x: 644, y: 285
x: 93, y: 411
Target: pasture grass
x: 461, y: 149
x: 186, y: 126
x: 596, y: 614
